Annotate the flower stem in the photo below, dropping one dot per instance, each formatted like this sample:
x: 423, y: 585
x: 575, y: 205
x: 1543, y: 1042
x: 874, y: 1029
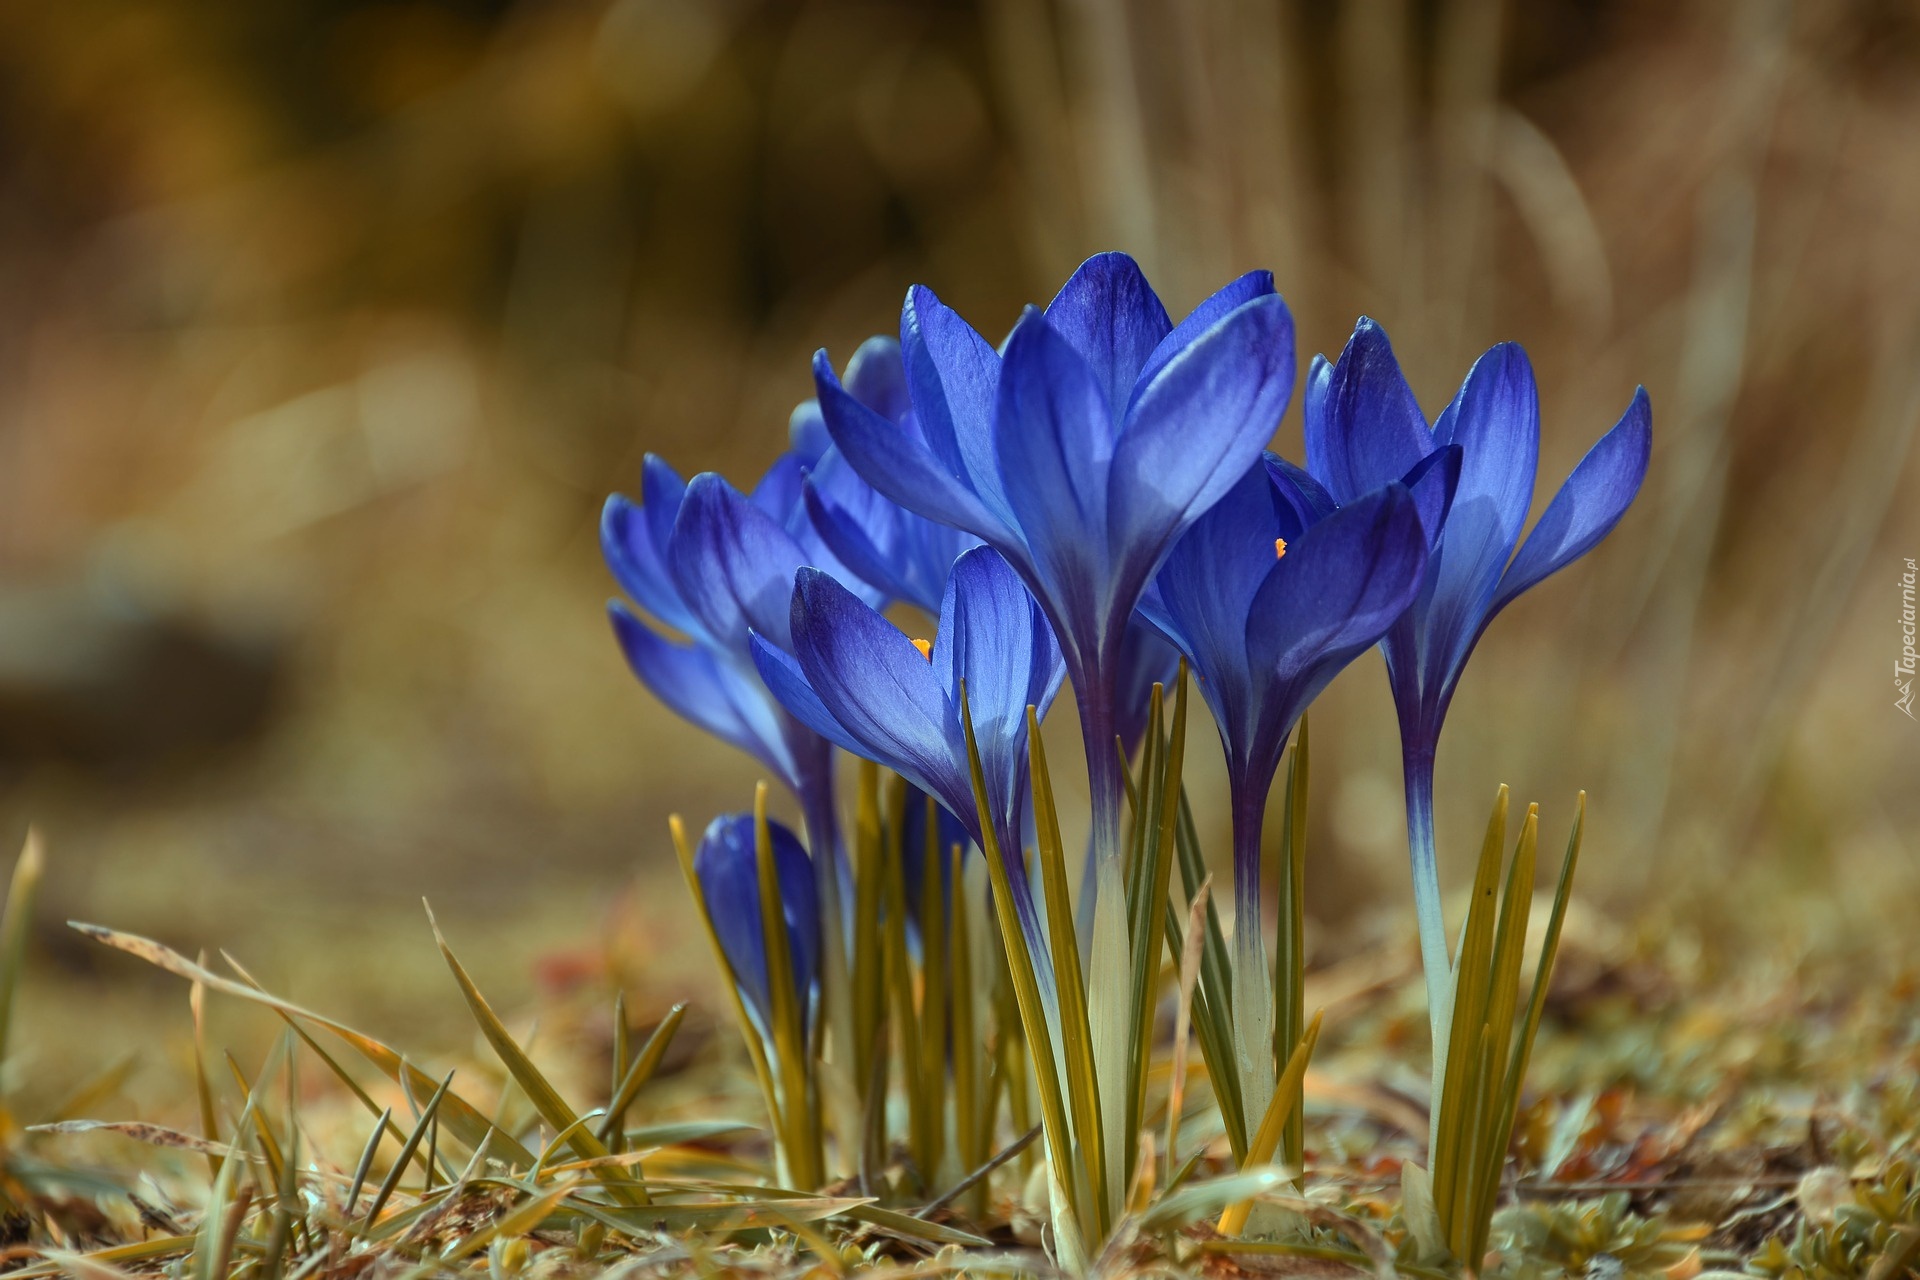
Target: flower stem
x: 1435, y: 960
x: 1252, y: 985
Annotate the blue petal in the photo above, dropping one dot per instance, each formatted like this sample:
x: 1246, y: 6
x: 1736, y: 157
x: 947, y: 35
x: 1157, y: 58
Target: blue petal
x: 807, y: 431
x: 1334, y: 595
x: 1054, y: 442
x: 704, y: 691
x: 1110, y: 314
x: 994, y: 637
x: 733, y: 563
x: 1363, y: 426
x: 897, y: 462
x: 1254, y: 284
x: 877, y: 377
x: 906, y: 556
x: 853, y: 530
x: 1301, y: 497
x: 1204, y: 592
x: 627, y: 545
x: 661, y: 493
x: 1340, y: 587
x: 1433, y: 481
x: 778, y: 491
x: 953, y: 375
x: 875, y: 683
x: 728, y: 868
x: 1589, y: 504
x: 1496, y: 422
x: 1194, y: 431
x: 780, y: 672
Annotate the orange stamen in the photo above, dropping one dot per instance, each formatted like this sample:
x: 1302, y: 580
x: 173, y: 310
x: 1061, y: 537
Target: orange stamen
x: 1279, y: 548
x: 925, y: 647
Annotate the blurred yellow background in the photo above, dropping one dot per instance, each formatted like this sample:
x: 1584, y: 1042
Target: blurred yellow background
x: 326, y: 327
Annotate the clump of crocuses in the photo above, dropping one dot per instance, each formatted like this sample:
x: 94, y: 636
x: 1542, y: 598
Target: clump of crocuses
x: 957, y: 525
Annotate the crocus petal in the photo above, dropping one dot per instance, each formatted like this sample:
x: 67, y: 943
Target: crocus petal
x: 905, y: 556
x: 954, y: 375
x: 1327, y: 602
x: 1363, y: 426
x: 728, y: 867
x: 1054, y: 442
x: 1195, y: 430
x: 1254, y: 284
x: 703, y: 691
x: 807, y: 431
x: 733, y: 564
x: 780, y: 672
x: 1496, y: 422
x: 1299, y: 493
x: 877, y: 377
x: 1340, y: 588
x: 627, y: 545
x: 778, y: 491
x: 661, y: 493
x: 1110, y: 314
x: 851, y: 538
x: 1588, y: 505
x: 1204, y: 592
x: 1433, y: 481
x: 873, y: 681
x: 994, y: 637
x: 897, y: 462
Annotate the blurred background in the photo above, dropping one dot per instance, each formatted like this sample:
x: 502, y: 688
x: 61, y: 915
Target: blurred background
x: 326, y: 328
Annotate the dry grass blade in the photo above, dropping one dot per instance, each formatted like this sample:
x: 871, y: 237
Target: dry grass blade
x: 979, y: 1176
x: 152, y: 1134
x: 340, y: 1073
x: 1266, y: 1140
x: 466, y: 1122
x: 721, y: 1216
x: 269, y: 1147
x: 1205, y: 1199
x: 1189, y: 976
x: 639, y: 1073
x: 365, y: 1166
x: 15, y: 927
x: 545, y: 1098
x: 518, y: 1222
x: 392, y: 1181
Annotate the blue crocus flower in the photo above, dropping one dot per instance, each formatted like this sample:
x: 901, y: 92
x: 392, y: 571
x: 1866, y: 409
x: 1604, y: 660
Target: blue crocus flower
x: 1270, y: 594
x: 1080, y: 452
x: 729, y: 872
x: 706, y: 561
x: 711, y: 563
x: 901, y: 554
x: 858, y: 680
x: 1363, y: 427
